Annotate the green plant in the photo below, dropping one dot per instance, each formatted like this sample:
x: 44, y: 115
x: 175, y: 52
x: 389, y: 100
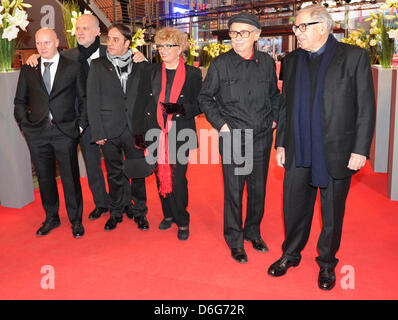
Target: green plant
x: 70, y: 13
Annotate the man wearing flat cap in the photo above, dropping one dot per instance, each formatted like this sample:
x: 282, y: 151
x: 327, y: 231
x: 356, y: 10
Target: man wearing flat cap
x: 241, y: 100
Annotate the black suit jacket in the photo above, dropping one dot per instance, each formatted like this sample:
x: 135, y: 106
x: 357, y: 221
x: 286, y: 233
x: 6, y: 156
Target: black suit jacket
x: 145, y: 111
x: 348, y: 110
x: 109, y: 109
x: 33, y: 103
x: 73, y: 54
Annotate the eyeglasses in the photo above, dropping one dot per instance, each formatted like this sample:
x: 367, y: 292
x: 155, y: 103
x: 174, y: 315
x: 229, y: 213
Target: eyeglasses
x: 303, y: 26
x: 243, y: 33
x: 168, y: 46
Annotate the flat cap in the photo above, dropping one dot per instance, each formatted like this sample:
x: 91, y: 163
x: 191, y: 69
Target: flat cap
x: 244, y: 17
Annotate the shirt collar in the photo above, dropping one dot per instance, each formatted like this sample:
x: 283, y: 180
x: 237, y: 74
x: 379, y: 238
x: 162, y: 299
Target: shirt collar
x: 54, y: 59
x: 319, y: 52
x: 237, y: 59
x: 95, y: 55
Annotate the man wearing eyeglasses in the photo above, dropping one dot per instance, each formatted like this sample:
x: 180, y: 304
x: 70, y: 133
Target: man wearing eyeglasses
x: 240, y: 93
x: 324, y: 135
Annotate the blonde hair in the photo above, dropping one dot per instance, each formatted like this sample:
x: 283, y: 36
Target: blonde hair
x: 172, y: 35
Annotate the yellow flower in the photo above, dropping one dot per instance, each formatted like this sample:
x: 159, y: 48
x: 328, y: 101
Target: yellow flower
x: 138, y: 39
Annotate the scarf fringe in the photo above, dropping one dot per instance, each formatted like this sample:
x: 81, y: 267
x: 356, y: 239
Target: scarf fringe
x: 165, y: 176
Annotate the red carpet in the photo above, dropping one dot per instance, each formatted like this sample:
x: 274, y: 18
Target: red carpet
x: 127, y: 263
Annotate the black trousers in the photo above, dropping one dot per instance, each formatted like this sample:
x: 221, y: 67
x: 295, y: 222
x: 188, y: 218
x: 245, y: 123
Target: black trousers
x: 298, y: 207
x: 121, y: 190
x: 174, y: 205
x: 92, y: 158
x: 256, y: 180
x: 47, y: 146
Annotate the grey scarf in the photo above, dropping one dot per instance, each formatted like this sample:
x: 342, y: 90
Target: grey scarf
x: 120, y: 62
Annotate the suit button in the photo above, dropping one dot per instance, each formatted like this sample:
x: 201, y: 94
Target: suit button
x: 125, y: 109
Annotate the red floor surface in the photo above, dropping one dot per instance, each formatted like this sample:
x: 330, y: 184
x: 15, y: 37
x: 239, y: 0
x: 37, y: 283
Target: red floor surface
x: 127, y: 263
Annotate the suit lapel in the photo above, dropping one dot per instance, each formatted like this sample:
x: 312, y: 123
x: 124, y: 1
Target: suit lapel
x: 333, y: 69
x: 111, y: 69
x: 291, y: 81
x: 156, y: 82
x: 131, y: 78
x: 102, y: 51
x: 62, y: 63
x: 75, y: 54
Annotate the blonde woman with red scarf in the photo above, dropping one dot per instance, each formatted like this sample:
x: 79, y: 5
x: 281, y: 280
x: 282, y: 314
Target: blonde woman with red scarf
x: 168, y: 101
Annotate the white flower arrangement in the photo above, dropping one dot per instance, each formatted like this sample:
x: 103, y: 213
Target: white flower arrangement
x: 12, y: 19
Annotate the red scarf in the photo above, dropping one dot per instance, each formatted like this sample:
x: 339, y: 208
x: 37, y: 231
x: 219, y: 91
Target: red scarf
x: 164, y: 168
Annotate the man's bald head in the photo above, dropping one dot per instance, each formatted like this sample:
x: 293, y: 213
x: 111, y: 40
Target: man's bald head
x: 46, y: 42
x: 89, y: 17
x: 87, y: 29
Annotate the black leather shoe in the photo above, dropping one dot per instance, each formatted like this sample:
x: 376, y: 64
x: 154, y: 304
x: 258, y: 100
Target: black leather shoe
x: 47, y: 227
x: 77, y: 230
x: 142, y: 223
x: 239, y: 255
x: 129, y: 211
x: 326, y: 279
x: 280, y: 267
x: 112, y: 222
x: 259, y: 245
x: 183, y: 234
x: 97, y: 212
x: 166, y: 224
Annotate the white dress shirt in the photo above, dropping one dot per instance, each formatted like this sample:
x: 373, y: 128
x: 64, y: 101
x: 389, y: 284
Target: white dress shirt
x: 95, y: 55
x: 53, y: 67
